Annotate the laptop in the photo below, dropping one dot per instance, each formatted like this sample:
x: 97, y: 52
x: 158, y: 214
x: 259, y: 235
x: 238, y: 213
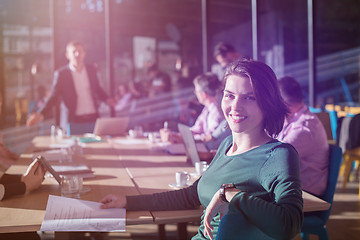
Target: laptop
x: 191, y: 148
x: 113, y: 126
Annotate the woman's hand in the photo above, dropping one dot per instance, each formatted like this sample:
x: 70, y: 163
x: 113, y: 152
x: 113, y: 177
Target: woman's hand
x: 113, y: 201
x: 34, y: 176
x: 215, y: 206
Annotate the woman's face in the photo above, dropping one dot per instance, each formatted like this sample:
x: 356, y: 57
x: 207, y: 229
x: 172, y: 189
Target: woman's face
x: 240, y: 106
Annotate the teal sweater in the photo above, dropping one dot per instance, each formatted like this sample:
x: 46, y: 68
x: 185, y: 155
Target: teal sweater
x: 269, y: 205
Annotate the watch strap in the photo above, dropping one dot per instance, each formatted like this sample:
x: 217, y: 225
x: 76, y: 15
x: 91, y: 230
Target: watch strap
x: 223, y: 189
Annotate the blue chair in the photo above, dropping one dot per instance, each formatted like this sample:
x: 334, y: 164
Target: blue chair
x: 315, y: 222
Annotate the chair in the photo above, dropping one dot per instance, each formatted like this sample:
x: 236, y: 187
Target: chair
x: 328, y: 117
x: 324, y: 118
x: 315, y: 222
x: 350, y: 143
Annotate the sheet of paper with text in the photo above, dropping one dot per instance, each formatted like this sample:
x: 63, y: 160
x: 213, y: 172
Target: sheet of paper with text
x: 69, y: 214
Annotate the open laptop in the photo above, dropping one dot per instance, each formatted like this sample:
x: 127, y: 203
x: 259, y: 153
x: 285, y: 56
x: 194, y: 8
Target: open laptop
x: 113, y: 126
x: 191, y: 148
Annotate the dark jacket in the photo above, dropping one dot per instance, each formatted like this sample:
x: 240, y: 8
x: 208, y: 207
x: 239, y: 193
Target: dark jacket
x: 63, y: 89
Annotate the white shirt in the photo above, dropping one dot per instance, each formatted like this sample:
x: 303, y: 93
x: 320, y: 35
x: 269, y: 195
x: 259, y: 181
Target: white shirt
x: 85, y: 103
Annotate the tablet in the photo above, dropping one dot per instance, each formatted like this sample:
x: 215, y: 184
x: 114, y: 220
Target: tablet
x: 48, y: 167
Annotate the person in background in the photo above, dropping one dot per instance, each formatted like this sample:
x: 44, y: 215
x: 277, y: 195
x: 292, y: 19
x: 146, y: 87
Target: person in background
x: 160, y: 81
x: 224, y: 54
x: 123, y: 97
x: 212, y: 141
x: 78, y: 88
x: 206, y: 88
x: 253, y: 182
x: 305, y: 132
x: 11, y: 184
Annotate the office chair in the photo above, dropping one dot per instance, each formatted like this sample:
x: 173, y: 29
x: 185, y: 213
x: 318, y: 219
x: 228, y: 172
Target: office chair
x: 315, y: 222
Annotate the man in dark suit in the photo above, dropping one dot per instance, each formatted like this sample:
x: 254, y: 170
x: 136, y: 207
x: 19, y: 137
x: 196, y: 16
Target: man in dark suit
x: 77, y: 87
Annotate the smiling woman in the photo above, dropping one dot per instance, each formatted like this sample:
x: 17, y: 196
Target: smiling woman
x: 253, y: 181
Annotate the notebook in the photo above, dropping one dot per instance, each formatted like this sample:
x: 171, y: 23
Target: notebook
x: 191, y: 148
x: 113, y: 126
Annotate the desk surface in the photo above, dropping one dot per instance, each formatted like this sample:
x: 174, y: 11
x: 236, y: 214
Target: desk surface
x: 119, y: 168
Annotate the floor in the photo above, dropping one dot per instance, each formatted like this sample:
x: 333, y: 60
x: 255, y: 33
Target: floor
x: 344, y: 222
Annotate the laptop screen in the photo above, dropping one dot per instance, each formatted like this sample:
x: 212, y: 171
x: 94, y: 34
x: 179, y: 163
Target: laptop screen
x: 114, y: 126
x: 189, y: 142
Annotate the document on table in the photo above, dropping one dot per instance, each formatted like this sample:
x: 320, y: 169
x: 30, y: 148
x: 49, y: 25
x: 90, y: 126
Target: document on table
x: 69, y: 214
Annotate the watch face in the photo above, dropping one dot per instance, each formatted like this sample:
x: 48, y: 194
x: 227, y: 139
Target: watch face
x: 228, y: 185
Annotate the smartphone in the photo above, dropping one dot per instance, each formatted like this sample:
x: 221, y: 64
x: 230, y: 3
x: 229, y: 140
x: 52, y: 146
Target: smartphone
x: 48, y: 167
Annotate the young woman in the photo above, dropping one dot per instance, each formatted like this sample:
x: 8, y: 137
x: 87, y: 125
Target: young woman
x: 253, y: 180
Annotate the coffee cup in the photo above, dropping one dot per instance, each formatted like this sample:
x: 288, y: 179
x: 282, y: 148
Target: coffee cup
x: 182, y: 178
x: 201, y: 167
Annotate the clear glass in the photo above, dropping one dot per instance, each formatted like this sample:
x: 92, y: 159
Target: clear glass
x: 71, y: 186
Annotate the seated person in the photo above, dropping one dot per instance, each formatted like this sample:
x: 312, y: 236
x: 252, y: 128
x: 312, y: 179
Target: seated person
x: 253, y: 179
x: 305, y: 132
x: 224, y: 54
x: 123, y: 97
x: 11, y: 184
x: 160, y: 81
x: 206, y: 88
x: 212, y: 141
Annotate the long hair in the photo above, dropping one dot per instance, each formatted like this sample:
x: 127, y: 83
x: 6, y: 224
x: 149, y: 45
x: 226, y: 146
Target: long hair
x: 266, y: 90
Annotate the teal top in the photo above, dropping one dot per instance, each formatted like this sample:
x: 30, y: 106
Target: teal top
x: 269, y: 205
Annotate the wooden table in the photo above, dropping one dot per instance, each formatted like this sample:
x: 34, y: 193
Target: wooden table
x: 121, y: 168
x: 25, y: 213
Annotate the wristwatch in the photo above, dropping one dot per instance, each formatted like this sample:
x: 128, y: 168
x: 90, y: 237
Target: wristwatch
x: 222, y: 191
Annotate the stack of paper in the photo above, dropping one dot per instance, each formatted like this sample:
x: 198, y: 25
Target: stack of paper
x: 69, y: 214
x: 81, y: 170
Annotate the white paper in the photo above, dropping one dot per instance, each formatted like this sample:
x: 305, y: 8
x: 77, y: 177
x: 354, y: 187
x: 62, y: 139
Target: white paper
x: 62, y: 143
x: 69, y: 214
x: 52, y: 155
x: 63, y: 169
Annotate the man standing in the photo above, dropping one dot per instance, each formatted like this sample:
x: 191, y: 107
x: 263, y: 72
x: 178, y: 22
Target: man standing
x: 305, y: 132
x: 77, y: 87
